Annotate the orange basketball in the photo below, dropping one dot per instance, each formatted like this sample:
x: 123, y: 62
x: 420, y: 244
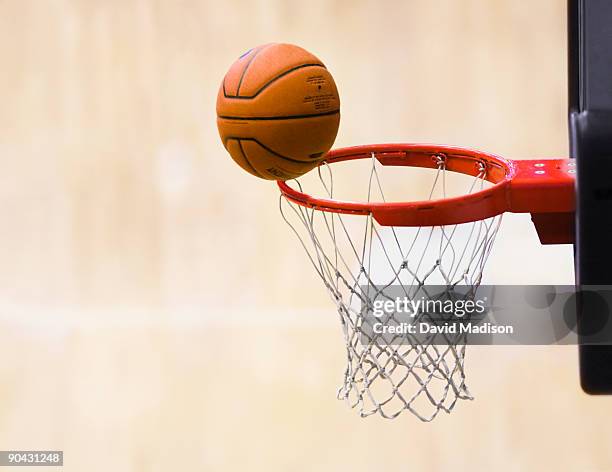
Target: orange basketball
x: 278, y: 111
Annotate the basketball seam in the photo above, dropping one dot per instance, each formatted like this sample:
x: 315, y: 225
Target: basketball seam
x: 267, y: 84
x: 271, y: 118
x: 272, y: 151
x: 247, y: 67
x: 245, y: 157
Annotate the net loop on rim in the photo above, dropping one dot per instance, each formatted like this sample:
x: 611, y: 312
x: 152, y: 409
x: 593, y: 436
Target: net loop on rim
x: 360, y: 261
x: 439, y: 158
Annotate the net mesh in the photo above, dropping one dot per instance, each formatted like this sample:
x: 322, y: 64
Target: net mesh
x: 358, y: 259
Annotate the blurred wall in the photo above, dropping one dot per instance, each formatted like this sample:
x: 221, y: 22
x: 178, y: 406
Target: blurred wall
x: 156, y: 312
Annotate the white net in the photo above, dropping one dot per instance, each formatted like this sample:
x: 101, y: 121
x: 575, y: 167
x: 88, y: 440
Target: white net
x: 355, y: 257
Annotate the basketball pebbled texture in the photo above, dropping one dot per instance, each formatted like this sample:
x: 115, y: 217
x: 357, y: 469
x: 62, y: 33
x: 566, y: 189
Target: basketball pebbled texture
x: 278, y: 111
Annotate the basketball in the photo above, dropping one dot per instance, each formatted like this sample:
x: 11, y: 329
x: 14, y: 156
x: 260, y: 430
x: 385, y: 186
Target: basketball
x: 278, y: 111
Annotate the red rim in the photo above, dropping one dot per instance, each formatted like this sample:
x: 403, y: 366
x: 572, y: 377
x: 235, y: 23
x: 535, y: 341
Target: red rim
x: 525, y: 186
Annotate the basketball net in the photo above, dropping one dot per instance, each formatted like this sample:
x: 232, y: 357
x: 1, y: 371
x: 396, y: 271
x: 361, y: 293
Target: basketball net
x: 353, y: 253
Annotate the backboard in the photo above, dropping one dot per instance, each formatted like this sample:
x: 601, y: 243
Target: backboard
x: 590, y: 126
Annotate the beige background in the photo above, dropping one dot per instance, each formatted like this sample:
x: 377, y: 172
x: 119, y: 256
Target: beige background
x: 156, y: 314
